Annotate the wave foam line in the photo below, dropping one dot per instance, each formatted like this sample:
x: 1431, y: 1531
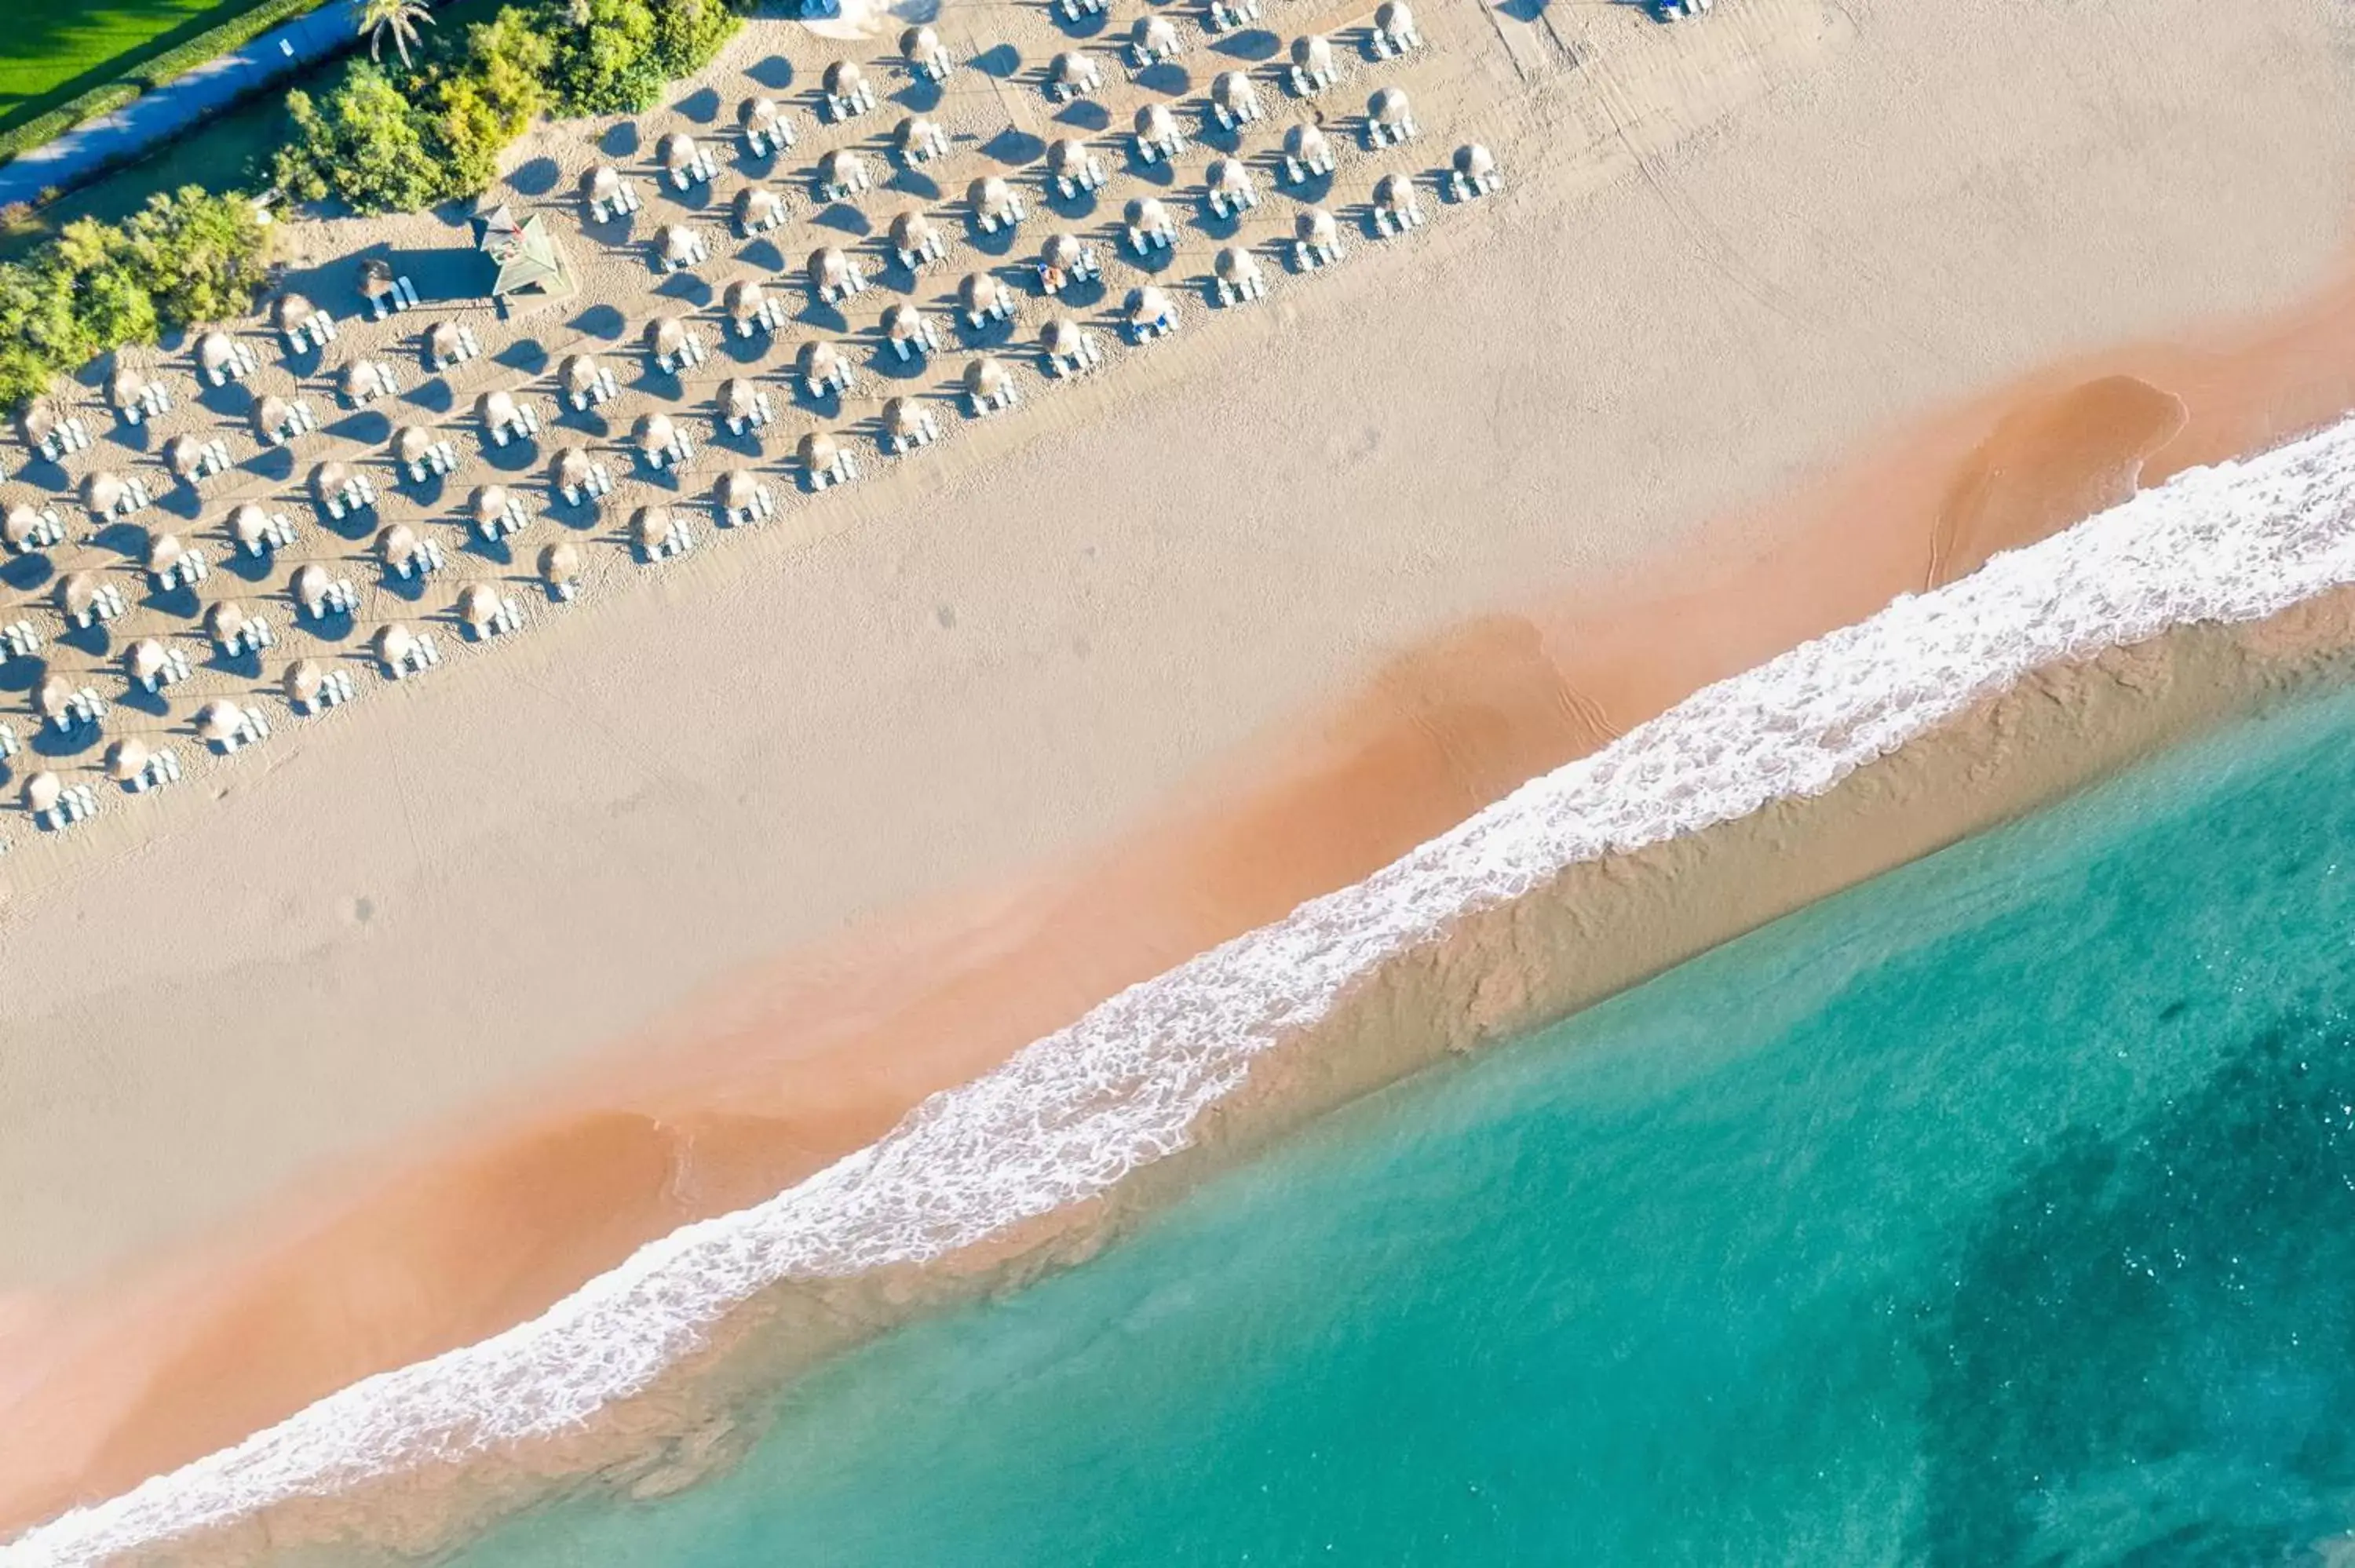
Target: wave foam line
x: 1071, y: 1113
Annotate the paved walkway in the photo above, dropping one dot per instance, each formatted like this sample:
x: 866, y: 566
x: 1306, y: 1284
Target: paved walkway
x: 157, y: 116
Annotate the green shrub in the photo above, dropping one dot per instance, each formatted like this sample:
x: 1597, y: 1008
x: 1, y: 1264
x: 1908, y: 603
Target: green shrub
x: 185, y: 257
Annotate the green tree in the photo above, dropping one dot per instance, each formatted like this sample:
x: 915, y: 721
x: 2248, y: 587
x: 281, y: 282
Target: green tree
x: 399, y: 18
x: 366, y: 145
x: 201, y: 256
x: 605, y: 63
x: 687, y: 33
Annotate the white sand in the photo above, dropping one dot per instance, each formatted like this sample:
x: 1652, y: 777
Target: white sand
x: 1844, y: 215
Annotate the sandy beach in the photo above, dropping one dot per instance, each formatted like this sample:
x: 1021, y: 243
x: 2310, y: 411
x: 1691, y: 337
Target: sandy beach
x: 378, y: 1041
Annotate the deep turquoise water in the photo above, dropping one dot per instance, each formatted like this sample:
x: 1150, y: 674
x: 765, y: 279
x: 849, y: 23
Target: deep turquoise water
x: 2002, y: 1210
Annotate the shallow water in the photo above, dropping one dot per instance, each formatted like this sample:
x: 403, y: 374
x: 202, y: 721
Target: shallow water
x: 2002, y: 1210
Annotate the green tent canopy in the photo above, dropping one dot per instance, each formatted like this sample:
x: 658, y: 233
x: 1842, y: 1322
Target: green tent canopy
x: 524, y: 253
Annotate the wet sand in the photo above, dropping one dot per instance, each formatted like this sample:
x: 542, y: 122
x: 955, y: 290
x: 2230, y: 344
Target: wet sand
x: 775, y: 1070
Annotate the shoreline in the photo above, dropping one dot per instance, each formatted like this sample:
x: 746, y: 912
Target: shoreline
x: 1443, y: 730
x: 1540, y: 944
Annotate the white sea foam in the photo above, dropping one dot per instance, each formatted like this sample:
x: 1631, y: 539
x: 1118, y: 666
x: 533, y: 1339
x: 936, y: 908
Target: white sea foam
x: 1074, y: 1112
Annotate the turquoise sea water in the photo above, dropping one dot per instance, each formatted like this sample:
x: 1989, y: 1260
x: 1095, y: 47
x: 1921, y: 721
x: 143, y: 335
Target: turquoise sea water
x: 2002, y: 1210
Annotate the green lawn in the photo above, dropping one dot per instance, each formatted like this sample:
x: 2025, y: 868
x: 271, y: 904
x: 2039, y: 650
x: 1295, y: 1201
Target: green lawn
x: 53, y: 51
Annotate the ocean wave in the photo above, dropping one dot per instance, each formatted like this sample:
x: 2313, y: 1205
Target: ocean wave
x: 1073, y: 1113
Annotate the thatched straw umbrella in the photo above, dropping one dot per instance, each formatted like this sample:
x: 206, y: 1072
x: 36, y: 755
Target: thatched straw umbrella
x: 990, y: 197
x: 559, y: 563
x: 496, y: 409
x: 445, y: 342
x: 1149, y: 215
x: 829, y: 269
x: 1313, y: 53
x: 678, y: 244
x: 676, y: 151
x: 224, y: 620
x: 309, y: 586
x: 1155, y: 36
x: 144, y: 660
x: 820, y: 361
x: 579, y: 373
x: 758, y: 205
x: 1227, y: 177
x: 736, y: 490
x: 654, y: 433
x: 411, y: 442
x: 757, y: 113
x: 1388, y: 106
x: 1235, y: 265
x: 1316, y: 227
x: 36, y: 423
x: 1062, y: 252
x: 42, y: 792
x: 904, y: 418
x: 375, y: 277
x: 651, y: 528
x: 919, y: 44
x: 1072, y: 70
x: 1393, y: 193
x: 842, y: 78
x: 249, y: 525
x: 292, y: 311
x: 124, y: 387
x: 103, y: 490
x: 744, y: 298
x: 488, y: 503
x: 478, y: 606
x: 77, y: 594
x: 1232, y: 91
x: 666, y: 336
x: 602, y: 184
x: 841, y: 169
x: 328, y: 480
x: 980, y: 293
x: 569, y: 469
x: 1393, y: 18
x: 1156, y: 124
x: 183, y: 455
x: 52, y: 698
x: 17, y: 528
x: 216, y: 352
x: 163, y: 551
x: 394, y: 644
x: 303, y: 682
x: 739, y: 397
x: 1148, y: 305
x: 270, y: 416
x: 1475, y: 162
x: 903, y: 323
x: 126, y: 759
x: 818, y: 451
x: 219, y: 720
x: 396, y: 546
x: 1067, y: 156
x: 987, y: 379
x: 915, y: 136
x: 1305, y: 144
x: 361, y: 381
x: 912, y: 231
x: 1062, y: 338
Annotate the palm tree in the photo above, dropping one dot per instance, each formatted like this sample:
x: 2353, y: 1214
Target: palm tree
x: 398, y: 18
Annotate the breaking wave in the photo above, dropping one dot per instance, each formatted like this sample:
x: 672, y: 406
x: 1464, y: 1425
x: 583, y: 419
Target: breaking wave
x: 1073, y: 1113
